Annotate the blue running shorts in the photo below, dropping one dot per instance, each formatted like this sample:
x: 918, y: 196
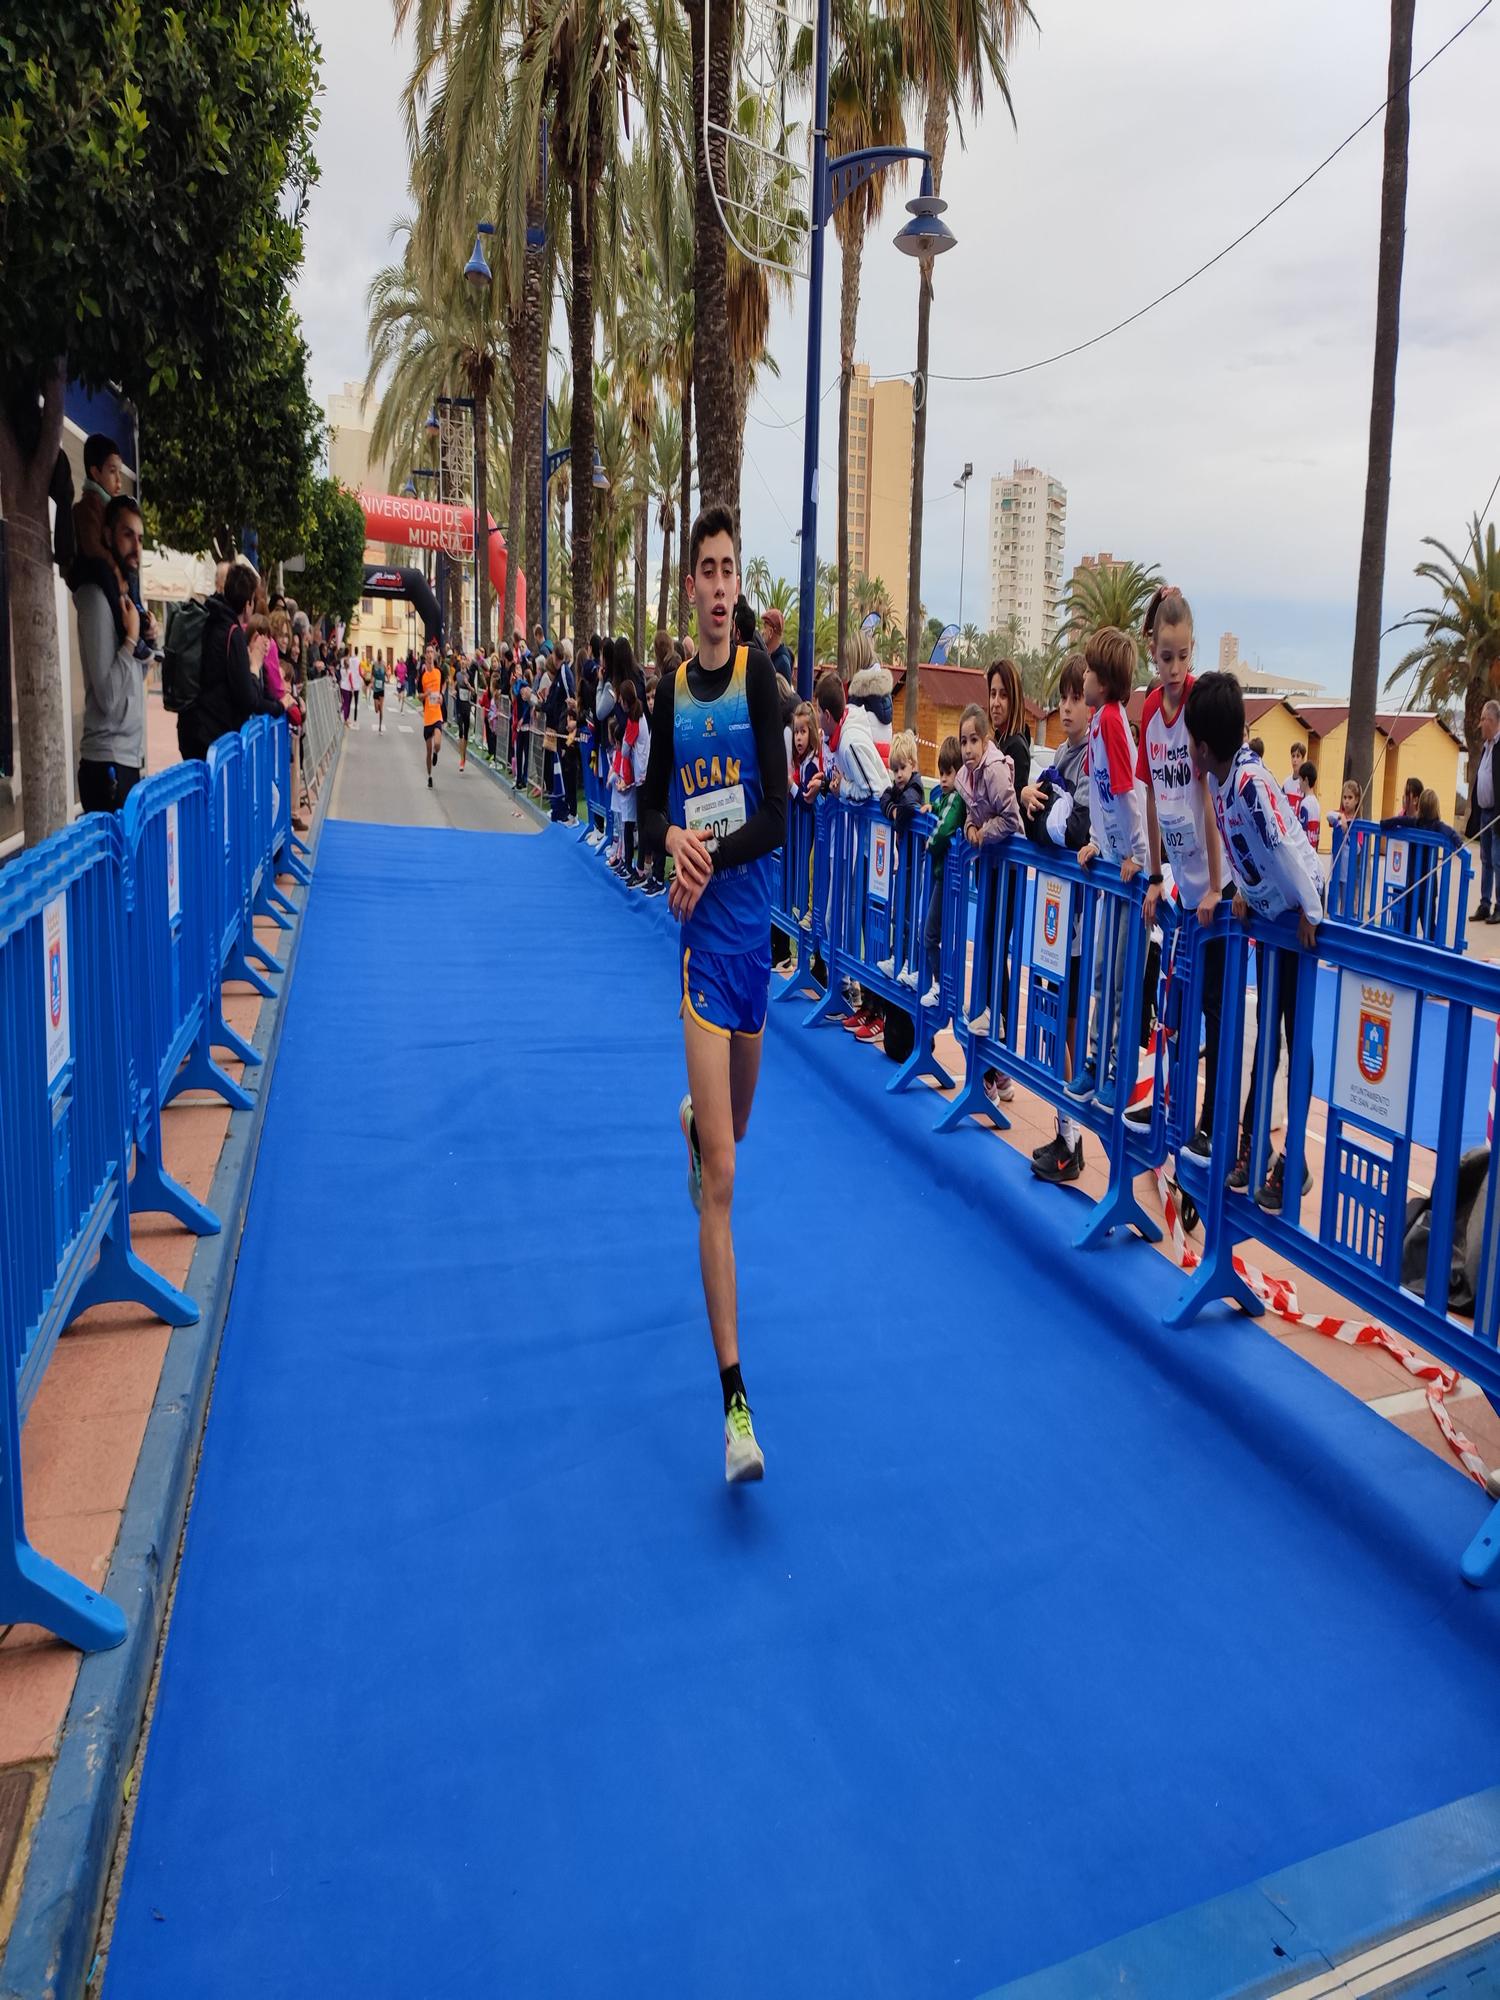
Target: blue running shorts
x: 727, y: 992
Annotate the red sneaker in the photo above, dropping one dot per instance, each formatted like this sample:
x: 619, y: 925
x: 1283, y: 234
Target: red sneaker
x: 870, y: 1031
x: 855, y: 1021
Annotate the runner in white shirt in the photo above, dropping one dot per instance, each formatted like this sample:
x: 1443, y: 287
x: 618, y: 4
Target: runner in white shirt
x: 1179, y: 831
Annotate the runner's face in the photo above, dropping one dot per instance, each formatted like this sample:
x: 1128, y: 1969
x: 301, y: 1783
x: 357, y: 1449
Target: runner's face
x: 714, y: 585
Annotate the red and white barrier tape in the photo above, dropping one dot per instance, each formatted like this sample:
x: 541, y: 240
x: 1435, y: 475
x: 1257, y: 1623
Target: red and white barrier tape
x: 1279, y: 1295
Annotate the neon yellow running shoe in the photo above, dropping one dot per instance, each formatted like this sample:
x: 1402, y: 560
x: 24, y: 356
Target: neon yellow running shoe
x: 695, y: 1158
x: 743, y: 1457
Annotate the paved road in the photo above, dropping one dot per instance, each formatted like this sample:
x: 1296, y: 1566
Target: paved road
x: 382, y: 776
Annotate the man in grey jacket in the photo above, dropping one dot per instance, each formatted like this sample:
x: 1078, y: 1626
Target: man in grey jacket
x: 113, y: 747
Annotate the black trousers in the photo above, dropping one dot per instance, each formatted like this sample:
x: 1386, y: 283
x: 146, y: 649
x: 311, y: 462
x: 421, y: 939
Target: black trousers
x: 104, y: 788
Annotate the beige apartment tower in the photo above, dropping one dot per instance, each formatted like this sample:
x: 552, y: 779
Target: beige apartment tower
x: 1028, y: 522
x: 880, y: 434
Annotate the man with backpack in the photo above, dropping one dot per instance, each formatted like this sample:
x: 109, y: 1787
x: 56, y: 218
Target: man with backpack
x: 112, y: 748
x: 213, y: 686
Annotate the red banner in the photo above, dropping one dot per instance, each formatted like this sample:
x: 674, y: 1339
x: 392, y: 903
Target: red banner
x: 414, y: 523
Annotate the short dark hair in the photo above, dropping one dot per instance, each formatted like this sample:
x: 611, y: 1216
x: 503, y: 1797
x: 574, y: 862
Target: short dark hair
x: 744, y: 620
x: 712, y: 521
x: 950, y: 756
x: 1216, y: 715
x: 97, y: 447
x: 1414, y: 788
x: 240, y: 587
x: 1070, y: 680
x: 829, y: 694
x: 1308, y: 773
x: 123, y: 503
x: 1111, y: 656
x: 1258, y: 745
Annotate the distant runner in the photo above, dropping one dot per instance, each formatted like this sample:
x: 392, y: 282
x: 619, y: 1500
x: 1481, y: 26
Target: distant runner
x: 432, y: 708
x: 377, y: 695
x: 714, y: 796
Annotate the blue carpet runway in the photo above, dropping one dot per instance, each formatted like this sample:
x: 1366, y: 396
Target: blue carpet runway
x: 1043, y: 1625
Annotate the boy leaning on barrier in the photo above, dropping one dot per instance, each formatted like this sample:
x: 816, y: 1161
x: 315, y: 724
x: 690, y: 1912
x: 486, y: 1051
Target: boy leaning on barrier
x: 900, y: 802
x: 1055, y: 811
x: 1275, y: 872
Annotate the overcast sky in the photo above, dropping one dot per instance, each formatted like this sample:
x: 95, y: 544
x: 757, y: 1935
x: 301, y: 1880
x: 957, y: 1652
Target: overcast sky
x: 1222, y: 437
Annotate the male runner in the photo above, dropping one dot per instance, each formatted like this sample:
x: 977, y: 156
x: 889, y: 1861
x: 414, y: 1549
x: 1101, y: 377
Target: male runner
x: 432, y: 708
x: 714, y: 796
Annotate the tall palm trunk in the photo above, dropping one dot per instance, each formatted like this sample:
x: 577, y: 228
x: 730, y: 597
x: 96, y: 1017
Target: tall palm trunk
x: 935, y: 139
x: 713, y: 368
x: 564, y: 575
x: 30, y: 435
x: 482, y: 510
x: 852, y: 246
x: 666, y: 573
x: 1364, y: 674
x: 582, y: 186
x: 515, y: 504
x: 640, y: 579
x: 685, y: 512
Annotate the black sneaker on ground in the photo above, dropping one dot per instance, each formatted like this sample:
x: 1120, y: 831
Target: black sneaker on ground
x: 1494, y: 915
x: 1239, y: 1173
x: 1063, y: 1167
x: 1048, y: 1148
x: 1268, y: 1195
x: 1138, y: 1117
x: 1200, y: 1145
x: 1482, y: 914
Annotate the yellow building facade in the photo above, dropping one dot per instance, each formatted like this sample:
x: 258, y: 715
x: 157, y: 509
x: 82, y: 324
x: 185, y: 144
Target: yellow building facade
x: 879, y: 463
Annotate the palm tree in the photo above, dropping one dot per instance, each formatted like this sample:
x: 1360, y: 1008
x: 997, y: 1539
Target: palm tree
x: 1458, y: 661
x: 616, y: 501
x: 666, y: 457
x: 782, y: 595
x: 953, y: 47
x: 1359, y: 756
x: 435, y: 343
x: 757, y: 581
x: 712, y: 22
x: 968, y: 642
x: 1115, y: 594
x: 866, y: 91
x: 560, y: 424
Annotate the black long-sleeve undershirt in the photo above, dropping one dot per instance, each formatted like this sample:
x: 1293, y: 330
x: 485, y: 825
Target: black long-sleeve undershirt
x: 765, y: 829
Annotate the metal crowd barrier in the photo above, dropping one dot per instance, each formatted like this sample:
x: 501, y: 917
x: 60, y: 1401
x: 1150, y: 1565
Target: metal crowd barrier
x: 1413, y: 881
x: 263, y: 737
x: 169, y: 902
x: 320, y: 731
x: 65, y: 1136
x: 234, y: 931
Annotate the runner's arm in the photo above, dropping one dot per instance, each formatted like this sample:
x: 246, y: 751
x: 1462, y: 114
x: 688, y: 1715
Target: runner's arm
x: 654, y: 789
x: 765, y: 830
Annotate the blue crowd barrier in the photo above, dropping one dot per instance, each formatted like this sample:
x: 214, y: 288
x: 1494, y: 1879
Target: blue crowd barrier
x: 1413, y: 881
x: 169, y: 903
x: 1356, y: 1238
x: 287, y: 851
x: 234, y: 881
x: 65, y: 1138
x: 115, y: 936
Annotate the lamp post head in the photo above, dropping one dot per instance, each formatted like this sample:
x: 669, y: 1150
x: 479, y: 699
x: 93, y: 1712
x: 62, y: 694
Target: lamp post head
x: 601, y: 477
x: 432, y: 420
x: 477, y: 270
x: 926, y: 235
x: 409, y: 490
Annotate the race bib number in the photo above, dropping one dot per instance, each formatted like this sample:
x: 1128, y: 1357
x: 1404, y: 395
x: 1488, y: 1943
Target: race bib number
x: 717, y: 813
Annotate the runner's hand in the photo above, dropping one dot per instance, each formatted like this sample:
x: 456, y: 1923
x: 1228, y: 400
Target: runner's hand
x: 1208, y: 906
x: 1087, y: 852
x: 1148, y: 907
x: 694, y: 868
x: 1129, y: 868
x: 1307, y: 932
x: 1241, y: 908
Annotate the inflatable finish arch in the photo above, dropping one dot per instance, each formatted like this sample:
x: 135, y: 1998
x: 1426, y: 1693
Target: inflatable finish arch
x: 414, y: 523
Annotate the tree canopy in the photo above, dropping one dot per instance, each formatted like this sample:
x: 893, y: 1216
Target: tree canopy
x: 334, y: 548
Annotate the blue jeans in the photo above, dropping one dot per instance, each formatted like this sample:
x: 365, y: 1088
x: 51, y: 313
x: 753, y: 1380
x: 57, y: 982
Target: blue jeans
x: 1489, y: 859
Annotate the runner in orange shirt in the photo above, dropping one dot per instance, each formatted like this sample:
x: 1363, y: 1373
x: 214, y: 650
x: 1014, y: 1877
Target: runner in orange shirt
x: 432, y: 708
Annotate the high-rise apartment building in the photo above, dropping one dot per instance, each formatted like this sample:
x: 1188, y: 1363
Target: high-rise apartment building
x: 880, y: 435
x: 1028, y: 522
x: 1229, y: 652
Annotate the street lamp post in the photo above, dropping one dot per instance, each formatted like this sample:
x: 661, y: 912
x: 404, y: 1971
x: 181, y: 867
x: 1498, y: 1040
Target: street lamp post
x: 833, y: 181
x: 481, y: 557
x: 963, y: 542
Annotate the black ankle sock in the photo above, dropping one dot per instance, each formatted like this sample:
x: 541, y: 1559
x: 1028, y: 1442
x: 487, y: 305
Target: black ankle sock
x: 732, y: 1384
